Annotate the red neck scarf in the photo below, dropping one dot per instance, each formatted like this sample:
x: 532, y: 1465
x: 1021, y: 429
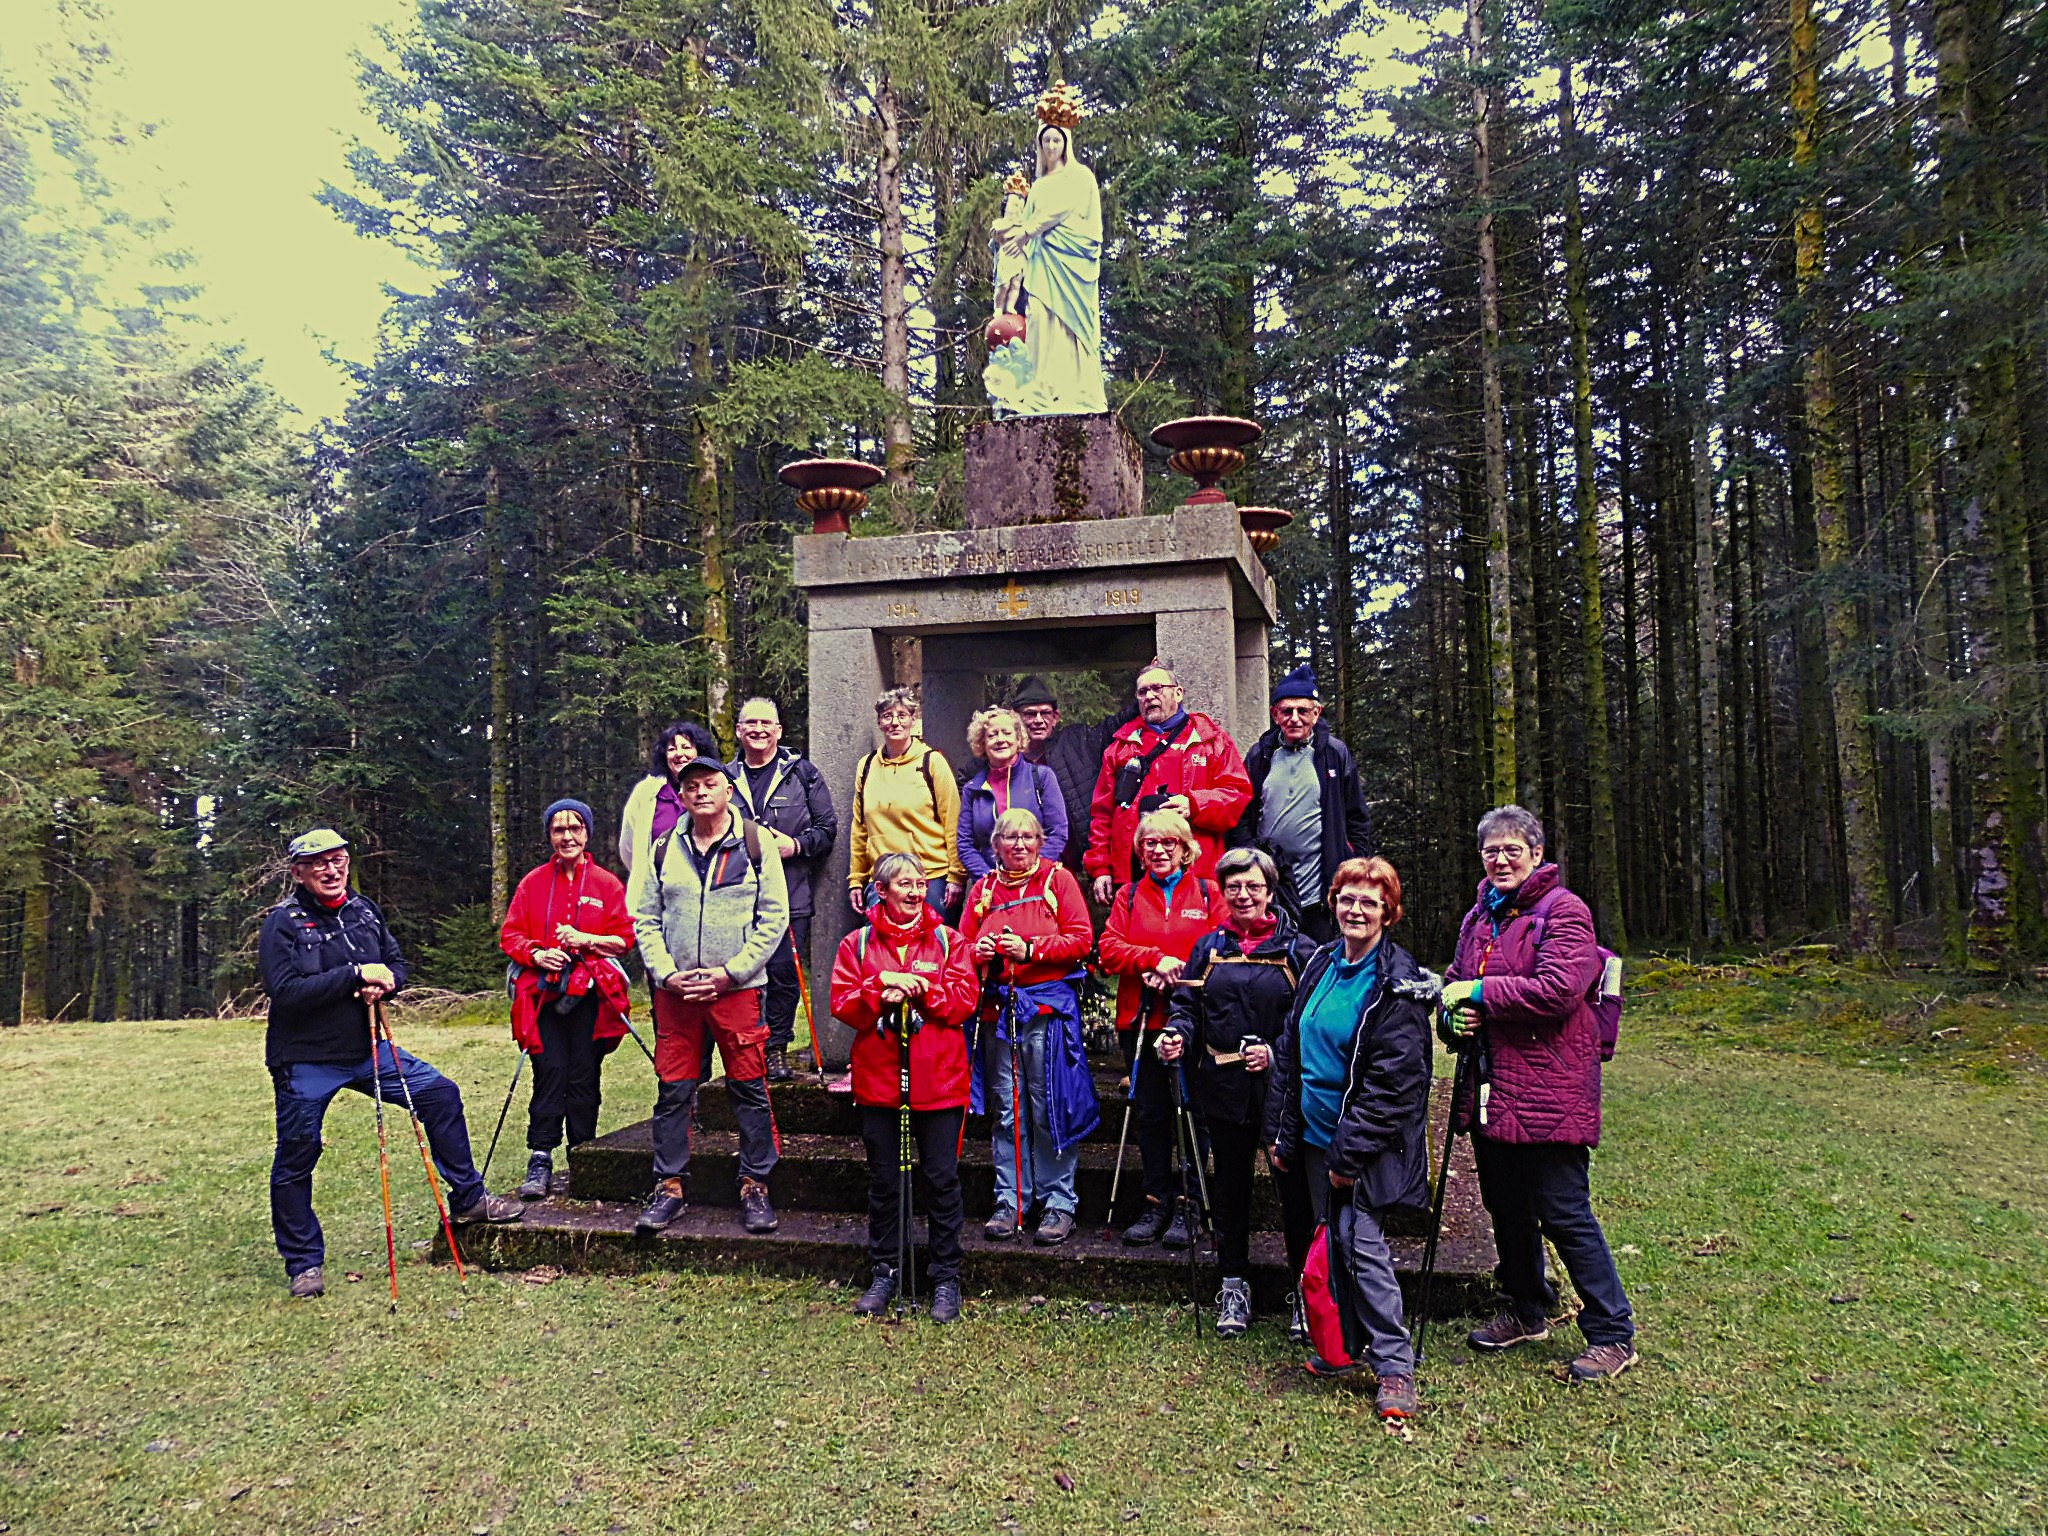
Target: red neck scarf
x: 1253, y: 933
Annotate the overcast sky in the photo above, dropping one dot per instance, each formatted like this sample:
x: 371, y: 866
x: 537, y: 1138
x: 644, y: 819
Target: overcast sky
x: 254, y: 102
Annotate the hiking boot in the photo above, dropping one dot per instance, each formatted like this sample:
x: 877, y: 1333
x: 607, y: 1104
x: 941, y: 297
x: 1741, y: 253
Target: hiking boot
x: 1147, y: 1227
x: 1505, y: 1332
x: 1233, y: 1308
x: 1297, y: 1318
x: 1002, y: 1226
x: 778, y: 1064
x: 540, y: 1173
x: 946, y: 1302
x: 880, y: 1292
x: 308, y: 1283
x: 1054, y: 1228
x: 490, y: 1207
x: 1181, y: 1234
x: 757, y: 1214
x: 663, y: 1207
x: 1603, y: 1362
x: 1396, y: 1398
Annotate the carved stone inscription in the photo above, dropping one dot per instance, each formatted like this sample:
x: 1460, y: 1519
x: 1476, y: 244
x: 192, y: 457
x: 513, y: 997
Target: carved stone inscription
x: 1048, y: 547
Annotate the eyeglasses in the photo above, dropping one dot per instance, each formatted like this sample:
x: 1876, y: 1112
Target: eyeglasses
x: 1513, y: 853
x: 329, y: 861
x: 1146, y: 690
x: 1244, y: 887
x: 896, y: 717
x: 1345, y: 903
x: 1159, y: 842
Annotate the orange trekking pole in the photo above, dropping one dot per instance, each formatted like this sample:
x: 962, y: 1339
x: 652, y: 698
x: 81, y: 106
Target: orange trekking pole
x: 383, y: 1031
x: 803, y: 988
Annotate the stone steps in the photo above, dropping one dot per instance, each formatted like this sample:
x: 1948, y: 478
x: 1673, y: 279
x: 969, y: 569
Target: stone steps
x: 820, y: 1190
x: 597, y: 1236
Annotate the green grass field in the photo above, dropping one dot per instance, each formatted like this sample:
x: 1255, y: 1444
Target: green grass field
x: 1827, y: 1193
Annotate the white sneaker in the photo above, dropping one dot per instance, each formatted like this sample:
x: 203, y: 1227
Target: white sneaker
x: 1233, y: 1308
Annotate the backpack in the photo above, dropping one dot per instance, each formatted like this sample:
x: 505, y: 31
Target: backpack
x: 1337, y: 1338
x: 1604, y: 998
x: 860, y: 948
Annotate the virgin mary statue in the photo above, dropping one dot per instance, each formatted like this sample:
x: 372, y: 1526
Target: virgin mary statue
x: 1060, y: 239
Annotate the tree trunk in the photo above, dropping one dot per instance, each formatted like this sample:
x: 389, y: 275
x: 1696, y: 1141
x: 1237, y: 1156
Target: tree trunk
x: 501, y: 692
x: 1707, y: 831
x: 1869, y: 928
x: 1500, y: 580
x: 898, y: 451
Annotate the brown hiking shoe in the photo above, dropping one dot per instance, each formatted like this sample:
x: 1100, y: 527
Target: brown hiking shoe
x: 1396, y: 1398
x: 1505, y: 1332
x: 490, y: 1207
x: 1603, y: 1362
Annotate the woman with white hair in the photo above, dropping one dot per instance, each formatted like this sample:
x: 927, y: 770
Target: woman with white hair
x: 1028, y: 923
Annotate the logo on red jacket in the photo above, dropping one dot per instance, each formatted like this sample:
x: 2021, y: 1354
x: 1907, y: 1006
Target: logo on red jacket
x: 924, y: 965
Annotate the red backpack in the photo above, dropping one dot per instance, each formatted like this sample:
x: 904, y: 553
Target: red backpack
x: 1336, y: 1338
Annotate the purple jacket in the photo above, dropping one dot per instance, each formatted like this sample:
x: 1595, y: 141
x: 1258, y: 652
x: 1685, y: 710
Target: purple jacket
x: 1542, y: 1041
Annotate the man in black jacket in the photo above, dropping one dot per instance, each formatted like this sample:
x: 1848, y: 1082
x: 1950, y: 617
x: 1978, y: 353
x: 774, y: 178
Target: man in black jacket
x: 1306, y: 810
x: 785, y: 794
x: 1072, y: 752
x: 326, y: 955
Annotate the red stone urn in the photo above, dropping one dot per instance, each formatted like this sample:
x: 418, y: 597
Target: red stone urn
x: 1206, y: 448
x: 831, y: 490
x: 1262, y: 525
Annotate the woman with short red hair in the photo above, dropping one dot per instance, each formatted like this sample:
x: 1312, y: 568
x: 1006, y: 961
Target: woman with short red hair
x: 1349, y: 1108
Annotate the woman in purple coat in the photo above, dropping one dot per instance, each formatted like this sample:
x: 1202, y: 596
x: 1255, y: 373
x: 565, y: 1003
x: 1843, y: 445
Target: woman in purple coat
x: 1521, y: 994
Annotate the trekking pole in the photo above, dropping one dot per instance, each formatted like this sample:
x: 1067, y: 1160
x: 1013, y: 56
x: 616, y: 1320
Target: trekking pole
x: 1007, y: 1014
x: 384, y: 1172
x: 1185, y: 1127
x: 1467, y: 1058
x: 803, y: 990
x: 906, y: 1241
x: 1130, y: 1098
x: 637, y: 1040
x: 1029, y: 1131
x: 419, y: 1135
x: 493, y: 1152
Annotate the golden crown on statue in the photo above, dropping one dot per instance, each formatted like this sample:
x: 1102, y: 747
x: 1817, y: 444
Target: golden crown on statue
x: 1061, y: 106
x: 1016, y: 185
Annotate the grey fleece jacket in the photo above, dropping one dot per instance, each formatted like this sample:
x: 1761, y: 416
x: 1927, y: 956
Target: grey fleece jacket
x: 717, y: 909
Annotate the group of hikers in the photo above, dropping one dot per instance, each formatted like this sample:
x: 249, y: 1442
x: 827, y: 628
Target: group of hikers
x: 1261, y: 1007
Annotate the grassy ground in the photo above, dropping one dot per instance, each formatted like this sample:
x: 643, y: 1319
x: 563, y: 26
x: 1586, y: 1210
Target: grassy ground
x: 1838, y: 1270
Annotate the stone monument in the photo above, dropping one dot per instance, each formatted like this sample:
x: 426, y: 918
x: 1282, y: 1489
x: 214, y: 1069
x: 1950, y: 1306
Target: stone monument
x: 1086, y: 583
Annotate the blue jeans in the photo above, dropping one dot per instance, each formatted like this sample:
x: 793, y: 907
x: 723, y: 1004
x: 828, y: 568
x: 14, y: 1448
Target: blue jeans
x: 304, y: 1091
x: 1542, y: 1190
x: 1048, y: 1175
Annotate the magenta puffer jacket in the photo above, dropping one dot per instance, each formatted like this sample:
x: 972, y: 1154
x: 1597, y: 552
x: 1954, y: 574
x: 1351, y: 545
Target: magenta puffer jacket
x: 1542, y: 1041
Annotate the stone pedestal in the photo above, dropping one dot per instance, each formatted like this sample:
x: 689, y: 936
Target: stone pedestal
x: 1050, y: 469
x: 1109, y: 592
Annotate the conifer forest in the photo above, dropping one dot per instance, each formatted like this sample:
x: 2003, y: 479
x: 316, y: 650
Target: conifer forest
x: 1661, y: 392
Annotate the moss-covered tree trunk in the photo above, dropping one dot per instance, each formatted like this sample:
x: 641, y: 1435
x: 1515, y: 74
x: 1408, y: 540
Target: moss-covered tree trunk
x: 1869, y: 927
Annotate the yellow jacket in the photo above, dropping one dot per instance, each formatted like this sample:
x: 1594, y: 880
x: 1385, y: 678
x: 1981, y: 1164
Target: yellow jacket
x: 909, y: 804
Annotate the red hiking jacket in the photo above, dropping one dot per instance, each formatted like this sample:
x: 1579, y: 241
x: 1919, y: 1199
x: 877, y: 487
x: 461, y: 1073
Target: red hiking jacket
x: 1203, y: 763
x: 1142, y: 927
x: 939, y: 1077
x: 1048, y: 909
x: 592, y: 900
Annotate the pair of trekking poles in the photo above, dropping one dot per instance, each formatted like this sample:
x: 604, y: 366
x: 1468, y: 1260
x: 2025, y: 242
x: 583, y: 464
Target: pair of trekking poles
x: 1187, y: 1144
x: 380, y: 1040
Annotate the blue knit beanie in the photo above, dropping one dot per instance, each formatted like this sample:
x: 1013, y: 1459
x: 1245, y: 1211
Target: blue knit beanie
x: 1298, y: 684
x: 547, y: 822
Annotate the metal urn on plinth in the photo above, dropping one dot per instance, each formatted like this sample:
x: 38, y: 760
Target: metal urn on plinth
x: 1262, y: 525
x: 1205, y: 449
x: 831, y: 490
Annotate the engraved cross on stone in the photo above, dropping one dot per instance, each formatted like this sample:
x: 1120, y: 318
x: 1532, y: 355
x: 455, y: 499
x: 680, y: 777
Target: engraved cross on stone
x: 1013, y: 603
